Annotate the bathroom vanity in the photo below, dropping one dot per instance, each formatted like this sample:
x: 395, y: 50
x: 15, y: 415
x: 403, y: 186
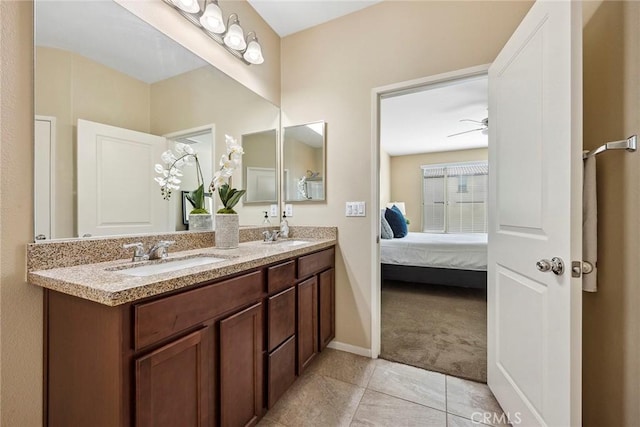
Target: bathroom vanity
x: 215, y: 344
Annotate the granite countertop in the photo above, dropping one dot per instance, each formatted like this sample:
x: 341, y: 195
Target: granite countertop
x: 105, y: 283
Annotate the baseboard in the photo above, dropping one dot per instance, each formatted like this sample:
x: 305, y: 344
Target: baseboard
x: 336, y: 345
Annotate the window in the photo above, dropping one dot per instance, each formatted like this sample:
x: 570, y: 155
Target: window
x: 455, y: 198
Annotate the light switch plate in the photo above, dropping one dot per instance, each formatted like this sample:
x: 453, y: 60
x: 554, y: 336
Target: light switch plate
x: 288, y: 210
x: 273, y: 210
x: 355, y: 209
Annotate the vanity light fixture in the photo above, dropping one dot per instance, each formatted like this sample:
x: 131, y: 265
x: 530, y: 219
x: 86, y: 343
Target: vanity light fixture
x: 212, y: 19
x: 234, y: 37
x: 253, y: 53
x: 189, y: 6
x: 209, y: 18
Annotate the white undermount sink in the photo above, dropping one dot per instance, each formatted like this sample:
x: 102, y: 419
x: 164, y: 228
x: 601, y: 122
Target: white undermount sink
x: 295, y: 242
x: 168, y: 266
x: 288, y: 242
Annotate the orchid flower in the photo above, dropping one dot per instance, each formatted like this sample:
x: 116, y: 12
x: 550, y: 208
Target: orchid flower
x: 228, y: 163
x: 169, y: 179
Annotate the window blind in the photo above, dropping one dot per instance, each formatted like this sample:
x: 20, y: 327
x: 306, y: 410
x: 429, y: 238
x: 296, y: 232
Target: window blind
x: 455, y: 198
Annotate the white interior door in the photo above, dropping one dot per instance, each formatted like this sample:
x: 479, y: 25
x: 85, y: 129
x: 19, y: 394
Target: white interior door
x: 116, y: 190
x: 535, y: 158
x: 44, y: 184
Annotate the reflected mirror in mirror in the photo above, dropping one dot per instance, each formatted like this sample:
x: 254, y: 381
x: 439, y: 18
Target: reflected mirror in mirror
x: 259, y: 167
x: 304, y: 162
x: 108, y: 106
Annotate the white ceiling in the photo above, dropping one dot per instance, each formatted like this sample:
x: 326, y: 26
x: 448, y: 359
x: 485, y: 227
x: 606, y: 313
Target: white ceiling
x: 286, y: 17
x: 419, y: 122
x: 105, y: 32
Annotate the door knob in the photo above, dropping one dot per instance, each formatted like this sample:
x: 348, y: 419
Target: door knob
x: 556, y: 265
x: 543, y: 265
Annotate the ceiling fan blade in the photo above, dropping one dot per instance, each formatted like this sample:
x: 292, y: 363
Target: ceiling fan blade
x: 466, y: 131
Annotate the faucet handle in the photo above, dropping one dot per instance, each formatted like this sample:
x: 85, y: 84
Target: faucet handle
x: 138, y: 253
x: 161, y: 249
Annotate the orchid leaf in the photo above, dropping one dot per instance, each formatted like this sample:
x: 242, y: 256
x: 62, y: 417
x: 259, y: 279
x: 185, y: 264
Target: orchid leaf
x: 196, y: 197
x: 233, y: 200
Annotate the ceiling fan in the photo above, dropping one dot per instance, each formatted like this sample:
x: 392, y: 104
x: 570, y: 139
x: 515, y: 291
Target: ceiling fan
x: 484, y: 126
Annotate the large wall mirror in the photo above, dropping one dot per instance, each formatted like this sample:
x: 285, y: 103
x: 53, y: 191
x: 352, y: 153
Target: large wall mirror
x: 111, y: 94
x: 304, y: 162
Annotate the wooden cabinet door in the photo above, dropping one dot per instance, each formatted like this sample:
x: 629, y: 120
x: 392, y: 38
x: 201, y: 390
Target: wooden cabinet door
x: 281, y: 310
x: 241, y: 368
x: 326, y: 307
x: 281, y: 372
x: 307, y: 322
x: 172, y: 383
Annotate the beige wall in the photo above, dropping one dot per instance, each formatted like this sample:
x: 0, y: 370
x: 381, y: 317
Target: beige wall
x: 611, y: 319
x: 406, y: 178
x: 385, y: 178
x: 72, y: 87
x: 328, y: 73
x: 20, y: 303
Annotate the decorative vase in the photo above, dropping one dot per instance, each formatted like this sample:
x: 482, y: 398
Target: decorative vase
x: 227, y: 231
x: 200, y: 222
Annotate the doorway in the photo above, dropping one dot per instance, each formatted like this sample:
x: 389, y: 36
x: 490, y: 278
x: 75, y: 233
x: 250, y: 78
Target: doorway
x: 418, y: 320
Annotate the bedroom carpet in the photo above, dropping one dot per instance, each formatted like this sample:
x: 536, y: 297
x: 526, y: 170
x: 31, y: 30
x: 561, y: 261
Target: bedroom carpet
x: 439, y: 328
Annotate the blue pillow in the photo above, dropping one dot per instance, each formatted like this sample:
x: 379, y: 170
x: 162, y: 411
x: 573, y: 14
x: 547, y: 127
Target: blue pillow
x: 385, y: 229
x: 397, y: 222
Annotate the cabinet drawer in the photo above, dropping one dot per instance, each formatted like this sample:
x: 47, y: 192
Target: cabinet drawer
x: 282, y: 317
x: 156, y: 320
x: 281, y: 370
x: 315, y: 263
x: 281, y: 276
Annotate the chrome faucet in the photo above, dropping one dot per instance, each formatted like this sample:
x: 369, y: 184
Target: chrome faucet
x: 138, y: 251
x: 270, y: 236
x: 158, y: 251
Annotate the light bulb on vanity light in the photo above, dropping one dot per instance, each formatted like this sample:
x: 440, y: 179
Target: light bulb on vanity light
x: 190, y: 6
x: 253, y: 54
x: 212, y: 19
x: 235, y: 35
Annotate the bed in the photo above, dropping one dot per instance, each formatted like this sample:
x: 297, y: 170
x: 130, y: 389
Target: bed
x: 441, y: 259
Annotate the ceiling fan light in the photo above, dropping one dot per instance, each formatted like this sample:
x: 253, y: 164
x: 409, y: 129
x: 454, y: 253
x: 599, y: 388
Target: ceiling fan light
x: 212, y: 19
x: 235, y: 37
x: 190, y: 6
x: 253, y: 54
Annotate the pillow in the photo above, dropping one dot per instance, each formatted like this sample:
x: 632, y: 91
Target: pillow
x: 385, y: 229
x: 396, y: 221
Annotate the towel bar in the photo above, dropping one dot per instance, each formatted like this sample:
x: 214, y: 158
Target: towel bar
x: 630, y: 144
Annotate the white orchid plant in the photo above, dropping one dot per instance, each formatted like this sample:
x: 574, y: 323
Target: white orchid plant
x: 220, y: 182
x: 171, y: 172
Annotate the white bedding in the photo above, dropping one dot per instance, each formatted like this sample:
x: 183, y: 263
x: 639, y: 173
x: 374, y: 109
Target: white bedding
x: 456, y: 251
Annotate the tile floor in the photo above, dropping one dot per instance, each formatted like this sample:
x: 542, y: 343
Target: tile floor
x: 344, y: 389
